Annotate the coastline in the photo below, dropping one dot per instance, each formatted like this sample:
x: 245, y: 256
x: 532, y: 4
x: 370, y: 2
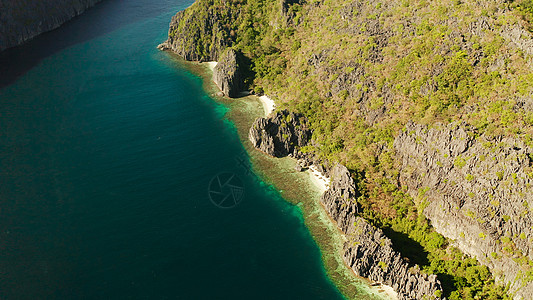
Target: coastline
x: 302, y: 189
x: 268, y: 104
x: 302, y: 71
x: 322, y: 183
x: 211, y: 65
x: 320, y: 180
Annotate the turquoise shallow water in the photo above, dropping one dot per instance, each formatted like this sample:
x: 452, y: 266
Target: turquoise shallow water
x: 107, y: 150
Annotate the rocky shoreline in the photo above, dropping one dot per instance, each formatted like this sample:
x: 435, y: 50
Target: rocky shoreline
x: 22, y: 20
x: 474, y: 189
x: 367, y: 251
x: 276, y: 142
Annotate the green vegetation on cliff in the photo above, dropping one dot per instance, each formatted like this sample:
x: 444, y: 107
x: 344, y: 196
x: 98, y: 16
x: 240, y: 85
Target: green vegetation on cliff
x: 360, y: 70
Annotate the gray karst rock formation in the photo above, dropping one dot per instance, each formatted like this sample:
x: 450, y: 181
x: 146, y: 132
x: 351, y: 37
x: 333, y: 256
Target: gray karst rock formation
x: 478, y: 193
x: 21, y: 20
x: 280, y: 134
x: 199, y: 38
x: 228, y: 73
x: 367, y: 251
x: 474, y: 189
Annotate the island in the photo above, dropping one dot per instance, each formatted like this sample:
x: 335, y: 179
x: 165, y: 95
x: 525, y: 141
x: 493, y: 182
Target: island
x: 420, y: 113
x: 22, y: 20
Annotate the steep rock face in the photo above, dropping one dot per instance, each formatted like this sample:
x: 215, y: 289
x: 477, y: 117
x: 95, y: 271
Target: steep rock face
x: 367, y: 251
x: 201, y: 32
x: 338, y: 198
x: 520, y: 37
x: 228, y: 73
x: 21, y: 20
x: 478, y: 193
x: 280, y: 134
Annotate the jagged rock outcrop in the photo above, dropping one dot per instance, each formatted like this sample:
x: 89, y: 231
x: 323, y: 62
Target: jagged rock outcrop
x: 22, y: 20
x: 202, y: 32
x: 338, y: 200
x: 280, y: 134
x: 520, y: 37
x: 206, y: 29
x: 478, y: 193
x: 367, y: 251
x: 228, y: 73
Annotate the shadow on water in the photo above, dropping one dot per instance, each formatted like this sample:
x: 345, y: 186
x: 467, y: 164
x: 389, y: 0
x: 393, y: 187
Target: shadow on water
x: 96, y: 21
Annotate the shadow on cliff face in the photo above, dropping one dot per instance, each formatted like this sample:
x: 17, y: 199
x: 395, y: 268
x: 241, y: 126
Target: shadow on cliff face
x: 104, y: 17
x: 247, y: 71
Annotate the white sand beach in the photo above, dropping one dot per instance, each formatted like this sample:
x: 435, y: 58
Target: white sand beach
x: 268, y: 104
x: 211, y: 65
x: 389, y: 291
x: 320, y: 180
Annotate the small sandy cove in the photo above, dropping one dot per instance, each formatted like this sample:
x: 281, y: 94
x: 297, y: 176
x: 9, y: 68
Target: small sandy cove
x: 319, y: 179
x: 268, y: 104
x: 211, y: 65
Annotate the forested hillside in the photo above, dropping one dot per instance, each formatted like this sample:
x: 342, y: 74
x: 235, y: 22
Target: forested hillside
x: 429, y: 104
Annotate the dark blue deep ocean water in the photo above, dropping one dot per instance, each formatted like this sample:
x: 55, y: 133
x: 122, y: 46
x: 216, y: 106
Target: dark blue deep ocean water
x: 107, y: 148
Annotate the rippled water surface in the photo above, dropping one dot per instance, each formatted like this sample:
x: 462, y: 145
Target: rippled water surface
x: 107, y: 150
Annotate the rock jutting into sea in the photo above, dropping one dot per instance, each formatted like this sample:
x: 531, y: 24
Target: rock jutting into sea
x: 200, y: 37
x: 280, y: 134
x: 22, y: 20
x: 228, y: 74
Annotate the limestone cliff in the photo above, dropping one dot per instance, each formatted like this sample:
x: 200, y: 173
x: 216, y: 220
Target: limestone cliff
x: 357, y: 72
x: 477, y: 192
x: 202, y: 32
x: 228, y: 74
x: 367, y: 251
x: 21, y: 20
x: 280, y: 134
